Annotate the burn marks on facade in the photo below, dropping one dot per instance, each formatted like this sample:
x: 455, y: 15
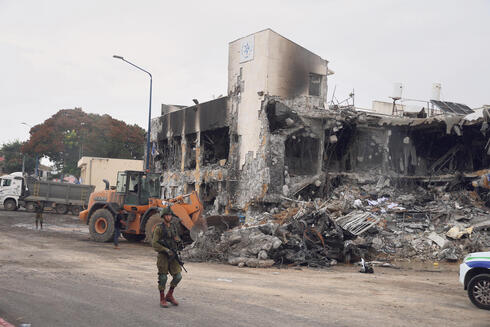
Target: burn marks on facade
x: 416, y: 147
x: 272, y: 136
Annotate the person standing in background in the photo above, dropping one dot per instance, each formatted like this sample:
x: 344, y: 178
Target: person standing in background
x: 39, y: 208
x: 117, y: 227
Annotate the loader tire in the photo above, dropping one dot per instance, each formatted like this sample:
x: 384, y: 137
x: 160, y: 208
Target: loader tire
x: 133, y: 237
x: 101, y: 226
x: 150, y: 226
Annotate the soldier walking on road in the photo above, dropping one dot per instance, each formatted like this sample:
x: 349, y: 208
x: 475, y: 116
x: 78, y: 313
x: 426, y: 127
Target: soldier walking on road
x: 167, y: 232
x: 39, y: 208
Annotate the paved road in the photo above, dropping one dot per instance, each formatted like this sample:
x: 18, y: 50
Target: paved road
x: 57, y: 277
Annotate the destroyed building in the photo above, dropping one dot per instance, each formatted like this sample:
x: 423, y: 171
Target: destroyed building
x: 274, y: 136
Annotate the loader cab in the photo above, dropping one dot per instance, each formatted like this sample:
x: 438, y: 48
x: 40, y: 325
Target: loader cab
x: 138, y: 187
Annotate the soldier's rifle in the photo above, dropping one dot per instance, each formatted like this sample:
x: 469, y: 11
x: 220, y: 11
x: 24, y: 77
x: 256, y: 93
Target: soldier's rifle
x: 175, y: 253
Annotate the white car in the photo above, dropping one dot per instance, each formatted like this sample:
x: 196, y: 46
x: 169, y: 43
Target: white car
x: 474, y: 274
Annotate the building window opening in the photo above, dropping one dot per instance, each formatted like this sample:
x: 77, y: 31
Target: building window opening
x: 301, y: 155
x: 208, y: 193
x: 315, y: 84
x: 171, y: 153
x: 215, y: 145
x: 190, y: 151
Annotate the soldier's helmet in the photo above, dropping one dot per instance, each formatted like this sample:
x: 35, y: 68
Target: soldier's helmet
x: 165, y: 211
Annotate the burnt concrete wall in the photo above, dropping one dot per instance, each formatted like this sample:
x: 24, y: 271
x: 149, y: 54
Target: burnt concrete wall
x: 278, y: 67
x: 430, y: 147
x: 289, y: 68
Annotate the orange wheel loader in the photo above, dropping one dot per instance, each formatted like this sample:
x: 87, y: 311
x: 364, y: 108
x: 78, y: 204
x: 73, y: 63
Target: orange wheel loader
x: 139, y: 194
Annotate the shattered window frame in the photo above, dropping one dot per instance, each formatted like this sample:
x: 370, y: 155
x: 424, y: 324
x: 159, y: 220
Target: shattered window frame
x: 315, y: 82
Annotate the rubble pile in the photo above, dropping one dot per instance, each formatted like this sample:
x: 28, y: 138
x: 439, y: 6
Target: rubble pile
x: 426, y: 224
x: 303, y: 234
x: 375, y: 221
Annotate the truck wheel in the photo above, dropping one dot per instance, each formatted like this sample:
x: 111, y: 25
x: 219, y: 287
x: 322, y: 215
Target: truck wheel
x: 10, y: 205
x: 150, y: 226
x: 101, y: 226
x: 30, y: 206
x: 61, y: 209
x: 133, y: 237
x: 75, y: 210
x: 479, y: 291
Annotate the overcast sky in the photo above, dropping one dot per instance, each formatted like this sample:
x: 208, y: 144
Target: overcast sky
x: 58, y: 54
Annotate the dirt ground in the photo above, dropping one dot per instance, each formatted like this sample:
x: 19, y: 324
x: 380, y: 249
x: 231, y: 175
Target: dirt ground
x: 58, y: 277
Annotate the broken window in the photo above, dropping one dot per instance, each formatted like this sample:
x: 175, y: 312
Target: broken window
x: 301, y: 154
x: 367, y: 150
x: 215, y: 145
x: 171, y: 154
x: 173, y: 192
x: 190, y: 187
x: 190, y: 151
x: 337, y: 153
x: 315, y: 84
x: 442, y: 153
x: 280, y: 116
x: 208, y: 193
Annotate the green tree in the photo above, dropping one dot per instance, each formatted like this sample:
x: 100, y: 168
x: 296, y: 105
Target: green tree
x: 71, y: 133
x: 12, y: 153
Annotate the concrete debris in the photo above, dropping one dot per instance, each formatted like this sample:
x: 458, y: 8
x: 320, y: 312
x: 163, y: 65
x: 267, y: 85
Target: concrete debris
x: 358, y: 204
x: 356, y: 220
x: 442, y: 242
x: 457, y: 232
x: 303, y: 236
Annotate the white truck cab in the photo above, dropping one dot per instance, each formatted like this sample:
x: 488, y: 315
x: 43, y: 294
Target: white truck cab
x: 11, y: 188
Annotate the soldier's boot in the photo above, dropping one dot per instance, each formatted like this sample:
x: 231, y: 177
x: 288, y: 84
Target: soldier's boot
x: 170, y: 296
x: 163, y: 301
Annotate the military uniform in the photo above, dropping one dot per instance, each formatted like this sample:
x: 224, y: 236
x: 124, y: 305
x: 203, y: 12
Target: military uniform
x: 166, y: 262
x: 39, y: 208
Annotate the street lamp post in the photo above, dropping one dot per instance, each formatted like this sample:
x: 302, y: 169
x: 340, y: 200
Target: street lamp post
x: 80, y: 148
x: 149, y: 112
x: 23, y: 163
